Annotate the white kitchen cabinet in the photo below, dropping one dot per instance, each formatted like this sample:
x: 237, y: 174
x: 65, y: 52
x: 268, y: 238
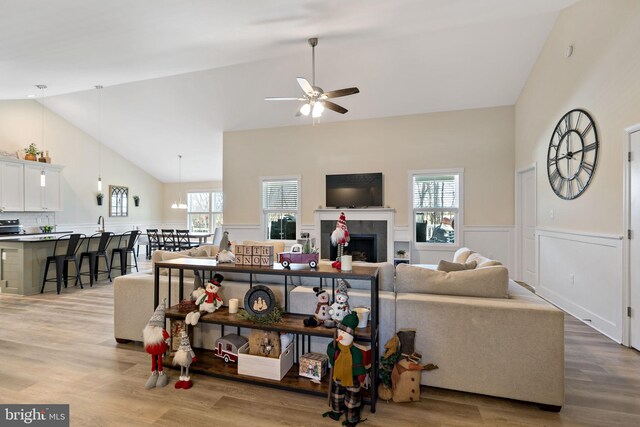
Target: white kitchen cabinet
x: 37, y: 197
x: 11, y: 186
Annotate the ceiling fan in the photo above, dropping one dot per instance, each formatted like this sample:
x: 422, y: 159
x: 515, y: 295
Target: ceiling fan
x: 315, y: 99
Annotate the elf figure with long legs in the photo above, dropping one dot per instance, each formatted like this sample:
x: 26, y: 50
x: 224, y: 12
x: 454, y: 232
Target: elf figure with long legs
x: 184, y: 357
x: 155, y: 339
x: 340, y: 238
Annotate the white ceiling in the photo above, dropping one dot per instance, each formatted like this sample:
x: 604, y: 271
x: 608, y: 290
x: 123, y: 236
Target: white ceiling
x: 178, y: 73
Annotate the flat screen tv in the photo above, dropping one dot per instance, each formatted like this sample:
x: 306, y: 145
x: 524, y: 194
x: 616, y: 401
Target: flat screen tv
x: 357, y: 190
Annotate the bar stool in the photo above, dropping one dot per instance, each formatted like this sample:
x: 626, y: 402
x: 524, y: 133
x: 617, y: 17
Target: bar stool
x: 169, y: 240
x: 154, y: 241
x: 61, y: 261
x: 183, y: 240
x: 94, y: 257
x: 126, y: 242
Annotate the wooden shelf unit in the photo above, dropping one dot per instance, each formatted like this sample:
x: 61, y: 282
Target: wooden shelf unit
x: 210, y: 364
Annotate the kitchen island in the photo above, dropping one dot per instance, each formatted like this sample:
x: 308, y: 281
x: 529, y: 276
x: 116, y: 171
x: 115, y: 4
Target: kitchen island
x: 23, y: 259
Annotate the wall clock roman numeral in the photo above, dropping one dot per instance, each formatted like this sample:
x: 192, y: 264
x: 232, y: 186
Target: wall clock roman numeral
x: 570, y: 177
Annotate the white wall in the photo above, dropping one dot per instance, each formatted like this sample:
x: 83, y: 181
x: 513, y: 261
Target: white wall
x: 481, y: 141
x: 20, y: 125
x: 177, y: 218
x: 601, y: 77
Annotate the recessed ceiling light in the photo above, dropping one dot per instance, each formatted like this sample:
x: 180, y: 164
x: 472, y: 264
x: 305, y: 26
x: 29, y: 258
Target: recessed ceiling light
x: 31, y: 96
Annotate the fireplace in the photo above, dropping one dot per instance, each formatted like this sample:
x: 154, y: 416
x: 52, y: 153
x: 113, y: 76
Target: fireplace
x: 362, y: 247
x: 368, y: 239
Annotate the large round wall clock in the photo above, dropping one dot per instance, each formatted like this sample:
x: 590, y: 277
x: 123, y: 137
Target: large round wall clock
x: 572, y: 154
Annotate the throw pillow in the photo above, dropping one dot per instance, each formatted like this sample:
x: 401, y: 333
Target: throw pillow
x: 454, y: 266
x: 461, y: 255
x: 482, y: 261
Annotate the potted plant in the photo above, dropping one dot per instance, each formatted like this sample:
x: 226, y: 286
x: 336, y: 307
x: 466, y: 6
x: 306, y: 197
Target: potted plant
x: 401, y: 253
x: 31, y: 152
x: 99, y: 198
x: 136, y: 200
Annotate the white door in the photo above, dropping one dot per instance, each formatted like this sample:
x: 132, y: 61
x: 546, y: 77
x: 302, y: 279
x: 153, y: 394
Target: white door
x: 527, y: 226
x: 634, y: 243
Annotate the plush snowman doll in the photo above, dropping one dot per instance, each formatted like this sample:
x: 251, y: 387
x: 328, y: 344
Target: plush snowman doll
x: 207, y: 299
x: 340, y: 308
x: 321, y: 314
x: 347, y: 374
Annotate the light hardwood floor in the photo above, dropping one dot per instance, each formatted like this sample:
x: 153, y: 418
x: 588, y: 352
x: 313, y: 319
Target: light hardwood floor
x: 60, y: 349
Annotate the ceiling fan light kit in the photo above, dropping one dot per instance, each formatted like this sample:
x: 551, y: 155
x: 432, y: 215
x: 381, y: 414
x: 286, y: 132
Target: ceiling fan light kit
x: 314, y: 98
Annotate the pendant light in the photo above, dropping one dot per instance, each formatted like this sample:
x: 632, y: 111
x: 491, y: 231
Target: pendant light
x: 99, y: 89
x: 179, y: 204
x: 43, y: 177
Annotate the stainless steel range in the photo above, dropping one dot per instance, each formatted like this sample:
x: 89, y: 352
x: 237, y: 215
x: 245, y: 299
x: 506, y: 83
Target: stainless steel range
x: 10, y: 226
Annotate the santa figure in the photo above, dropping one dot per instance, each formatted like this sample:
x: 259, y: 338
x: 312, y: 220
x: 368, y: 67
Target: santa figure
x: 348, y: 373
x: 340, y: 238
x: 208, y: 299
x: 184, y: 357
x: 155, y: 339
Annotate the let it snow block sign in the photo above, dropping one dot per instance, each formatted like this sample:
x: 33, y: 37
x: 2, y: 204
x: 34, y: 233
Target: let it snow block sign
x: 254, y: 255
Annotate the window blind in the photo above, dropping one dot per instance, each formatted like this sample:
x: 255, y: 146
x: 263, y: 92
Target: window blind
x: 434, y: 192
x: 280, y: 195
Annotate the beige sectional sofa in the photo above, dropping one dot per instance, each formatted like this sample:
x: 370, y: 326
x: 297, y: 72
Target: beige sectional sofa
x: 487, y: 334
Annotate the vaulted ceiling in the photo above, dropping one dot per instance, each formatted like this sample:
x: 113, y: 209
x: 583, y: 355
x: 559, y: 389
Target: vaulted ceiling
x: 177, y: 74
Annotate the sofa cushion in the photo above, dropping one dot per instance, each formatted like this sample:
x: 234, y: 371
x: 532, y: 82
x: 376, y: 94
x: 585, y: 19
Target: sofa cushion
x: 454, y: 266
x: 490, y: 282
x: 482, y: 261
x: 461, y: 255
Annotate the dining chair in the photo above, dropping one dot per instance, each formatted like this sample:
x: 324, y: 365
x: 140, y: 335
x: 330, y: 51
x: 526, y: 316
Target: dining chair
x: 169, y: 240
x: 154, y: 241
x: 94, y: 257
x: 183, y: 240
x: 126, y: 243
x: 61, y: 260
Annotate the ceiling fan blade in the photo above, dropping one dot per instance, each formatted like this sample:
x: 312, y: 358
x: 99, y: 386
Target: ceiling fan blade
x: 341, y: 92
x: 335, y: 107
x: 305, y: 85
x: 272, y: 98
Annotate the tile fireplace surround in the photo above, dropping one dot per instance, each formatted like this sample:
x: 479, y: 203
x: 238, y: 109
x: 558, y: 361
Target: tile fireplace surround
x: 378, y: 221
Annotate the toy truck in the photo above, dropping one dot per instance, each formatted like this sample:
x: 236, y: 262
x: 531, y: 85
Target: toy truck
x: 295, y: 256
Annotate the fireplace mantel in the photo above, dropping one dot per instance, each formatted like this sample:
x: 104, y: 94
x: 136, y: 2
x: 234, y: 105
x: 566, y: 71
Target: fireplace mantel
x: 368, y: 214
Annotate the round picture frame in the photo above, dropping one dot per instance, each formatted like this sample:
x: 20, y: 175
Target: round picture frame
x: 259, y: 300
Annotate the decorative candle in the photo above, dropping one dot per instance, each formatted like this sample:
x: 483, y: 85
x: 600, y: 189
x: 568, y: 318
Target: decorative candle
x: 233, y: 305
x: 346, y: 261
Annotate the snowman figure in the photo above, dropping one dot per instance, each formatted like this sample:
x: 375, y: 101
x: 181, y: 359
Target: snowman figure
x: 348, y: 374
x: 184, y: 357
x: 207, y: 299
x: 340, y: 308
x: 321, y: 314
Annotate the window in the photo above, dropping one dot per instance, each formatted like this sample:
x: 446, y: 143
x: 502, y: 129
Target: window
x: 204, y: 211
x: 280, y: 208
x: 437, y: 207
